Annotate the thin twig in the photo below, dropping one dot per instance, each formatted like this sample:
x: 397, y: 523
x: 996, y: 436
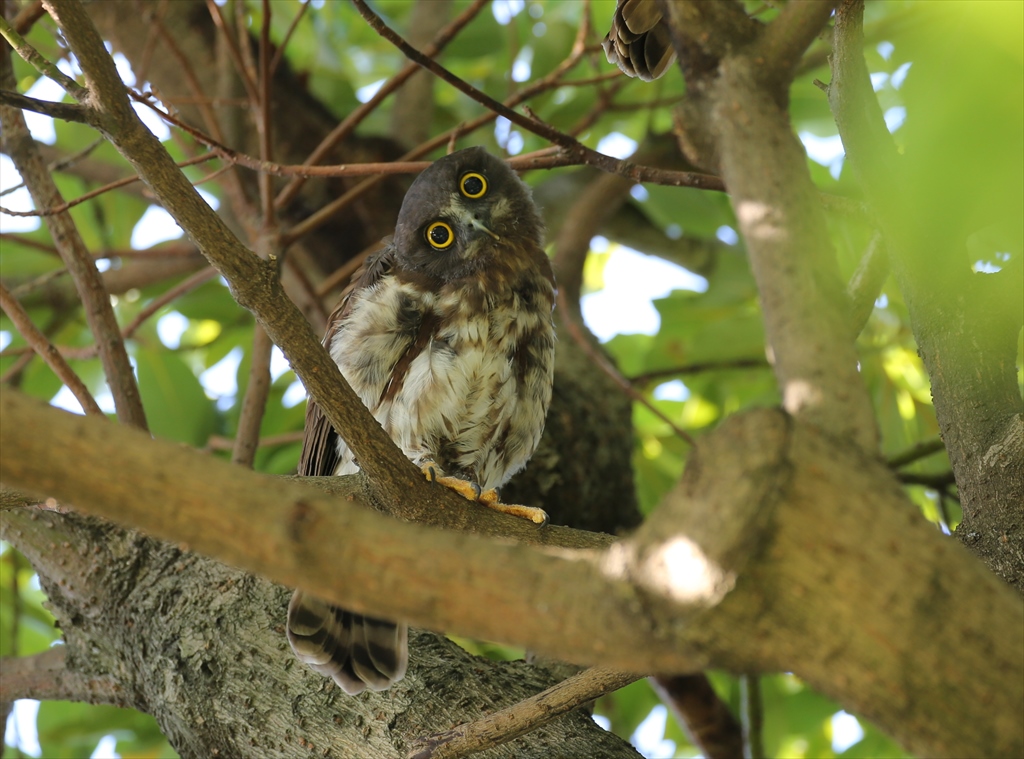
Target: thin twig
x: 939, y: 481
x: 99, y: 314
x: 529, y: 714
x: 279, y: 53
x: 565, y: 141
x: 753, y: 717
x: 232, y: 46
x: 254, y: 403
x: 152, y: 35
x: 344, y: 272
x: 916, y: 452
x: 353, y: 120
x: 220, y: 443
x: 107, y: 188
x: 698, y: 368
x: 866, y: 283
x: 186, y: 286
x: 63, y: 163
x: 49, y: 353
x: 264, y: 124
x: 72, y: 112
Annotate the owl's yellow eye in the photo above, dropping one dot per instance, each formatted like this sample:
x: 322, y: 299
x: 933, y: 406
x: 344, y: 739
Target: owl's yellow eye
x: 440, y: 235
x: 473, y: 185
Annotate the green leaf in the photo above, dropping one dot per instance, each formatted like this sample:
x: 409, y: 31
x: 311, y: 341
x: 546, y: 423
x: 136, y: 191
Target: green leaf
x: 71, y: 730
x: 176, y: 406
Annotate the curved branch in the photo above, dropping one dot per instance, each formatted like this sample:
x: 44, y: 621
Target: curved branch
x: 791, y: 254
x: 568, y: 143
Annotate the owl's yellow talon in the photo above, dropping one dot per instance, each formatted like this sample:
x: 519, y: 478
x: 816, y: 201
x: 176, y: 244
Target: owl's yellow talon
x: 532, y: 513
x: 429, y: 471
x: 488, y: 497
x: 471, y: 491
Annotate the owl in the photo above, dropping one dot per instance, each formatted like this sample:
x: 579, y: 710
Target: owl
x: 446, y: 335
x: 639, y: 42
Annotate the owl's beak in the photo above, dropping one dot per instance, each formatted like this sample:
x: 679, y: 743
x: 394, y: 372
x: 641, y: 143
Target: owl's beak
x: 479, y: 225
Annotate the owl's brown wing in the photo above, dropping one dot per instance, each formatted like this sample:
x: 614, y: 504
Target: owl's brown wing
x: 320, y: 454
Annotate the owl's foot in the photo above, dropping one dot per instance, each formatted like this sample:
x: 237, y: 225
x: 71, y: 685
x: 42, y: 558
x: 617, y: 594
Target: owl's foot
x: 489, y: 498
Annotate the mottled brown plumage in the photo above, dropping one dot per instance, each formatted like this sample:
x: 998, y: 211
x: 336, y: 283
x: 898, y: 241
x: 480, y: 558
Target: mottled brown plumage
x: 639, y: 42
x: 446, y: 336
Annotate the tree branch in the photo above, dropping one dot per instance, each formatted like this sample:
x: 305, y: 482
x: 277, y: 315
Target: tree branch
x: 866, y: 283
x: 45, y: 677
x: 99, y: 314
x: 736, y: 571
x: 41, y: 345
x: 785, y: 39
x: 63, y: 111
x: 791, y: 254
x: 708, y: 721
x: 966, y: 330
x: 257, y: 391
x: 568, y: 144
x: 502, y: 726
x: 41, y: 64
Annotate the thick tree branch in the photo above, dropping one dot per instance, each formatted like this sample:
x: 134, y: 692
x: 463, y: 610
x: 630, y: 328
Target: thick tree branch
x: 187, y: 637
x: 791, y: 255
x: 738, y: 572
x: 965, y: 330
x: 784, y: 40
x: 45, y: 677
x: 709, y: 30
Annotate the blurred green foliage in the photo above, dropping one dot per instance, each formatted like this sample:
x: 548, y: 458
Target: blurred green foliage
x: 949, y: 75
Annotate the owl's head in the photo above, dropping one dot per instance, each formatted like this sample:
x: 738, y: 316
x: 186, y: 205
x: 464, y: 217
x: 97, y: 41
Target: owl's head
x: 466, y: 212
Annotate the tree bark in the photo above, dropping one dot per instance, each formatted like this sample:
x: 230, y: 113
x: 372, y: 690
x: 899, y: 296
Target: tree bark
x: 201, y: 647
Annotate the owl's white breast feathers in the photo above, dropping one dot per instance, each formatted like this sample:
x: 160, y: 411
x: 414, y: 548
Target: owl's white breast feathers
x: 461, y: 400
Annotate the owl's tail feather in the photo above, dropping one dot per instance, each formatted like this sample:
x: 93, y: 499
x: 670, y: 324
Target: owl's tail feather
x: 357, y: 652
